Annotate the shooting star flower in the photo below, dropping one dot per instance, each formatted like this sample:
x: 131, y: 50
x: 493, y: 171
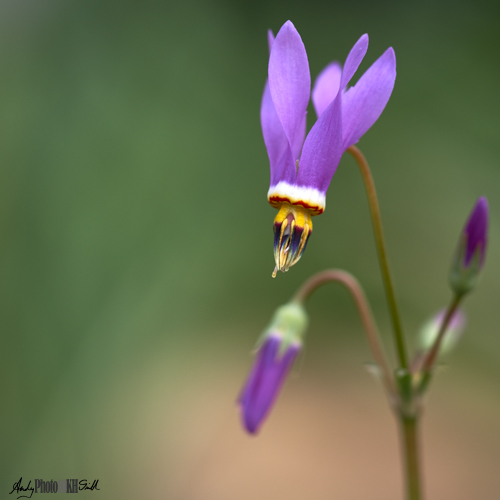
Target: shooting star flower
x: 302, y: 167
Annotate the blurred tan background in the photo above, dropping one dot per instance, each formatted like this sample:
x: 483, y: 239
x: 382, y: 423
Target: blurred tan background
x: 136, y: 250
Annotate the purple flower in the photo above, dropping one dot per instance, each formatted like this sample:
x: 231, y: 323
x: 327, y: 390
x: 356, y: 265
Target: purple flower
x: 265, y: 381
x: 469, y: 257
x: 302, y: 167
x: 277, y: 350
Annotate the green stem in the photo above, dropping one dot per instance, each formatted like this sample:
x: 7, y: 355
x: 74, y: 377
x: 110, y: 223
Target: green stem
x: 409, y: 429
x: 352, y: 285
x: 382, y: 253
x: 426, y: 366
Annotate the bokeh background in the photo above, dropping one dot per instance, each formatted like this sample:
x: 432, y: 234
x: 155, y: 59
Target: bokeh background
x: 136, y: 250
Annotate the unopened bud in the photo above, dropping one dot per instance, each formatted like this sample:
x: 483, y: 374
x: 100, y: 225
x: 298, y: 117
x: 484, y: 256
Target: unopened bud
x: 276, y: 352
x: 469, y: 257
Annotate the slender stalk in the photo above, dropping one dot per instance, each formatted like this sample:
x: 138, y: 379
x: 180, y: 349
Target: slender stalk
x: 409, y: 429
x: 382, y: 253
x: 352, y: 285
x: 430, y: 359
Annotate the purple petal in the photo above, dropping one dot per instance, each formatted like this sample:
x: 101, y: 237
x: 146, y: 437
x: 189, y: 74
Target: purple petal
x: 286, y: 169
x: 265, y: 381
x: 274, y: 135
x: 354, y: 59
x: 322, y: 149
x: 270, y: 40
x: 326, y: 87
x: 299, y: 138
x: 363, y: 103
x: 289, y: 81
x: 281, y: 161
x: 476, y: 231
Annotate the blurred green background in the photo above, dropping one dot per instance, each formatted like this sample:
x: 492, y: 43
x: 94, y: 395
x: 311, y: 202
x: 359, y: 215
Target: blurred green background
x: 136, y: 249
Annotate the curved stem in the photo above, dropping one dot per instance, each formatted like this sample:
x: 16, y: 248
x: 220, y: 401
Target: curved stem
x: 382, y: 253
x: 352, y: 285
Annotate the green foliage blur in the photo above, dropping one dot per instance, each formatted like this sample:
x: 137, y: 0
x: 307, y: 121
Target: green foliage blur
x: 136, y: 249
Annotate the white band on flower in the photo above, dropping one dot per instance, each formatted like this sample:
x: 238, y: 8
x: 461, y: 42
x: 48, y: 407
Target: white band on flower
x: 308, y: 197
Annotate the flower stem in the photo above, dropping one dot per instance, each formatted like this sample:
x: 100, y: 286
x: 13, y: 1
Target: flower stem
x: 382, y: 253
x: 427, y: 364
x: 352, y: 285
x: 409, y: 429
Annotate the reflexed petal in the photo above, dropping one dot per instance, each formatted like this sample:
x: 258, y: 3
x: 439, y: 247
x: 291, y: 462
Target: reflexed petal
x: 323, y: 148
x: 299, y: 138
x: 286, y: 170
x: 326, y: 87
x: 289, y: 81
x: 354, y: 59
x: 363, y: 103
x: 274, y: 135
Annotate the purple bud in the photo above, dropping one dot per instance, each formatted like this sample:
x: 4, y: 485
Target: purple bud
x: 277, y: 350
x: 469, y: 257
x: 265, y: 381
x: 476, y: 232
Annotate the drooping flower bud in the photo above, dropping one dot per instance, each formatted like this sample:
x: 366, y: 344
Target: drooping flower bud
x: 454, y: 332
x: 276, y: 351
x: 469, y: 257
x: 292, y: 229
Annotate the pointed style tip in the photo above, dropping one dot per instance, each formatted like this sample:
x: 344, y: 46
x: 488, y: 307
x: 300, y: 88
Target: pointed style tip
x: 275, y: 272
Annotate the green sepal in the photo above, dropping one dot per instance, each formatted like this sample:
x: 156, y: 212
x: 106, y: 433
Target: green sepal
x: 463, y: 279
x: 288, y: 322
